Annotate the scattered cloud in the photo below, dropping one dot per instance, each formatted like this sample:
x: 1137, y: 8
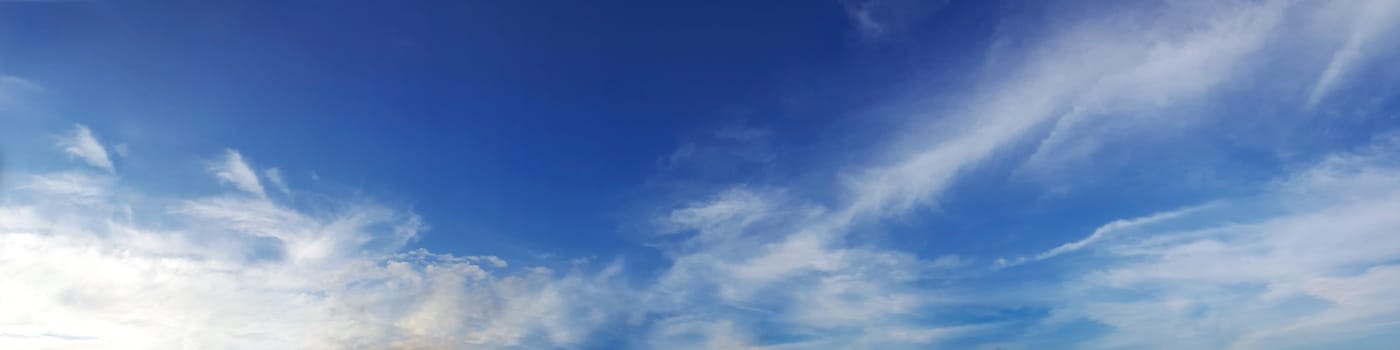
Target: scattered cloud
x: 1261, y: 272
x: 274, y: 175
x: 234, y: 170
x: 1084, y: 84
x: 94, y: 263
x: 81, y: 143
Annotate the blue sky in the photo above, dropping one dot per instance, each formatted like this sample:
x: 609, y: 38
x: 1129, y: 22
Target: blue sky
x: 883, y: 174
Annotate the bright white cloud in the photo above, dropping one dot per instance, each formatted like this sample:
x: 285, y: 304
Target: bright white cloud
x: 93, y: 264
x: 234, y: 170
x: 81, y: 143
x: 748, y: 257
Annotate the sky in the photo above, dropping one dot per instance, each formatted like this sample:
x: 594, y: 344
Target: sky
x: 859, y: 174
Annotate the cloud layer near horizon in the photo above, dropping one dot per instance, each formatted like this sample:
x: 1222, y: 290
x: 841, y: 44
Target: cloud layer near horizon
x: 91, y: 263
x: 1302, y: 261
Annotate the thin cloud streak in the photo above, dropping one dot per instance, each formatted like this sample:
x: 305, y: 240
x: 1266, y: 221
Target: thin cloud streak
x: 1370, y: 24
x: 1103, y: 232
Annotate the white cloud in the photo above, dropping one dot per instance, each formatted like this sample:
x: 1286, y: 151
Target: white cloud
x: 70, y: 185
x: 765, y: 252
x: 1084, y: 75
x: 82, y: 144
x: 1252, y: 275
x: 1368, y: 23
x: 274, y: 175
x: 1104, y: 231
x: 1086, y: 84
x: 93, y: 264
x: 753, y: 249
x: 761, y: 257
x: 234, y: 170
x: 748, y: 257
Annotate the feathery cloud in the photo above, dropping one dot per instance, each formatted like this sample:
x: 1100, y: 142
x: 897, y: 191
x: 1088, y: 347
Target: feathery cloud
x: 81, y: 143
x: 93, y: 263
x: 1367, y: 24
x: 1251, y: 272
x: 274, y: 175
x: 234, y: 170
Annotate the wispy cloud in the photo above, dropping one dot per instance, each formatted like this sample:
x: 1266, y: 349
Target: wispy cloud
x: 1103, y: 232
x: 97, y: 263
x: 81, y: 143
x: 11, y: 86
x: 1087, y: 75
x: 1250, y: 276
x: 93, y: 263
x: 234, y: 170
x: 274, y: 175
x: 1085, y: 84
x: 1366, y: 24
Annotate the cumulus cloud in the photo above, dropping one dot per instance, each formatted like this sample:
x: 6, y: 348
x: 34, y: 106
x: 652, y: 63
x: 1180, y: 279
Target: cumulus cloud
x: 81, y: 143
x: 234, y: 170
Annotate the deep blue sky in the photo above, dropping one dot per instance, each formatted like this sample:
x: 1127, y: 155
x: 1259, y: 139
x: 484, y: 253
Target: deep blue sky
x: 805, y: 174
x: 481, y: 115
